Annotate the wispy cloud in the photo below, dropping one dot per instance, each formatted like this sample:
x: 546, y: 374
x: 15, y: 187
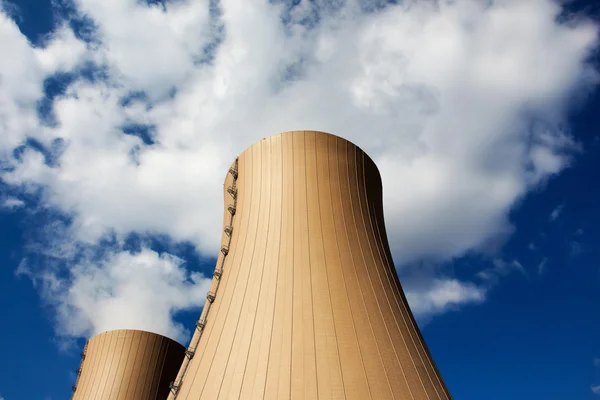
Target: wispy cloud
x: 500, y: 269
x: 429, y: 296
x: 443, y: 295
x: 556, y: 212
x: 576, y: 248
x: 596, y: 388
x: 542, y: 266
x: 12, y: 203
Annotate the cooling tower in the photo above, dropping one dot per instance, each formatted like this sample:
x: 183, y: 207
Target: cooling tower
x: 305, y: 301
x: 127, y: 364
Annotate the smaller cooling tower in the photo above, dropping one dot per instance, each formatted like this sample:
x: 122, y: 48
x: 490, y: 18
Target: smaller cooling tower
x: 127, y: 364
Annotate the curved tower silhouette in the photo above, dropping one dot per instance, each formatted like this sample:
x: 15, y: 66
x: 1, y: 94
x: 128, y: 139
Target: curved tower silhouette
x: 305, y: 301
x: 127, y: 364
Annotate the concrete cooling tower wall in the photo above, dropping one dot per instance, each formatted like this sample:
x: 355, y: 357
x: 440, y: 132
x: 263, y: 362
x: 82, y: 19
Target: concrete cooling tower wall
x: 305, y: 301
x: 127, y: 364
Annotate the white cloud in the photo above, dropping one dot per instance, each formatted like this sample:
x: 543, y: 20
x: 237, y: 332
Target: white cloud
x: 146, y: 47
x: 12, y: 203
x: 123, y: 290
x: 20, y: 86
x: 461, y: 103
x: 429, y: 295
x: 442, y: 295
x: 63, y: 52
x: 595, y: 389
x: 22, y: 72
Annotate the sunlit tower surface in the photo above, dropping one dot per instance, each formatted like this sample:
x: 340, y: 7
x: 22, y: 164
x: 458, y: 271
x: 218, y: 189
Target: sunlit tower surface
x: 305, y: 301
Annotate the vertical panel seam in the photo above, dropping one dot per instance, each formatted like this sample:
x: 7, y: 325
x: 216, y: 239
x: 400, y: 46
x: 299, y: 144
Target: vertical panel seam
x: 362, y: 295
x: 117, y: 355
x: 139, y: 361
x: 392, y: 285
x: 146, y: 357
x: 260, y: 292
x: 310, y: 266
x: 118, y: 363
x: 293, y: 231
x: 411, y: 324
x: 135, y: 362
x: 110, y: 361
x: 151, y: 371
x: 325, y: 259
x: 96, y: 377
x: 278, y: 266
x: 132, y: 336
x: 144, y: 367
x: 364, y: 225
x: 162, y: 368
x: 353, y: 266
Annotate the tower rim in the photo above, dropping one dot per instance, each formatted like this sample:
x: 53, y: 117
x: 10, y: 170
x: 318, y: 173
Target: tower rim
x: 291, y: 132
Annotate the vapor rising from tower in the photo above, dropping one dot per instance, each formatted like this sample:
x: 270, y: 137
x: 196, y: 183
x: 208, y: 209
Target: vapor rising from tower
x: 305, y: 302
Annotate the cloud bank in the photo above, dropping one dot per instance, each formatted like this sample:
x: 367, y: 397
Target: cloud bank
x: 462, y: 104
x: 124, y: 290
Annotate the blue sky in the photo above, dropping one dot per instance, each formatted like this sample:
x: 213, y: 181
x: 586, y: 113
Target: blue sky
x: 115, y: 131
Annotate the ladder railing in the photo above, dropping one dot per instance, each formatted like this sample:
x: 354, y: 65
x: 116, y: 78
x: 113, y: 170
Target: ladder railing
x: 78, y: 370
x: 211, y: 296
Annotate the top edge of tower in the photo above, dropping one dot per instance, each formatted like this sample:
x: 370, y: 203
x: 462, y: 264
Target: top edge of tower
x: 290, y: 133
x: 134, y: 331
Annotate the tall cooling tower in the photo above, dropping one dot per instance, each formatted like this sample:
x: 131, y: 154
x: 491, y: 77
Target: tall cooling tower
x: 129, y: 365
x: 305, y: 301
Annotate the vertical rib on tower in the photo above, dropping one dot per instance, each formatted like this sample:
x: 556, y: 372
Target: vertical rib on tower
x: 308, y: 303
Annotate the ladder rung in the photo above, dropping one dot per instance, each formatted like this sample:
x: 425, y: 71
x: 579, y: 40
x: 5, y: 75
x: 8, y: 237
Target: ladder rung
x: 232, y: 191
x: 174, y: 388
